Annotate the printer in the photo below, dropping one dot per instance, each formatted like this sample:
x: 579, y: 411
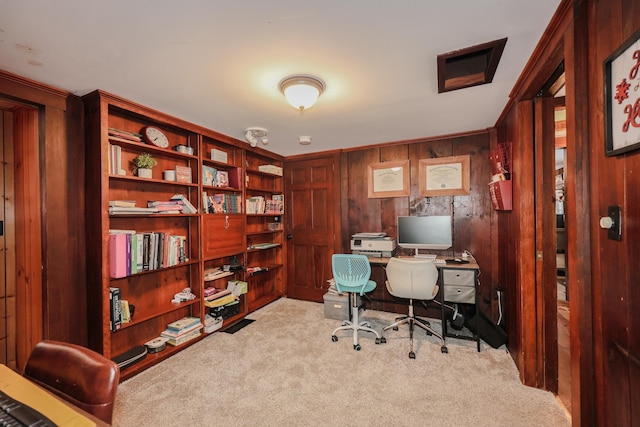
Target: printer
x: 373, y: 244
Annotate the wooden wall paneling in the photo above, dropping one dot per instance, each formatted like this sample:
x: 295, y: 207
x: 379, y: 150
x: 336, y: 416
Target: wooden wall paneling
x: 8, y: 266
x: 48, y: 123
x: 29, y: 293
x: 430, y: 149
x: 472, y: 215
x: 612, y: 262
x: 545, y: 213
x: 66, y: 295
x: 631, y: 24
x: 523, y: 209
x: 608, y: 288
x: 578, y: 217
x: 506, y: 253
x: 363, y: 213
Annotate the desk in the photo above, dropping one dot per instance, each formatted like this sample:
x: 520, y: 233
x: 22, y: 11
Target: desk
x: 57, y: 410
x: 458, y: 284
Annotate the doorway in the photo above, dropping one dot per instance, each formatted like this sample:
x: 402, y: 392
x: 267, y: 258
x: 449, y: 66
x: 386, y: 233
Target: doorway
x: 312, y: 224
x: 551, y: 242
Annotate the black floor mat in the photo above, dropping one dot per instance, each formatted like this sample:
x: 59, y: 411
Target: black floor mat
x: 237, y: 326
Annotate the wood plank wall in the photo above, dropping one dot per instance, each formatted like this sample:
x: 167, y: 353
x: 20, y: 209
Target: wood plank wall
x: 472, y: 214
x: 57, y: 244
x: 616, y: 287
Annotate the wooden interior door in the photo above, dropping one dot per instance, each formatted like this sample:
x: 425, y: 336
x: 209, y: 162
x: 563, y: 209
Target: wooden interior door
x: 312, y: 212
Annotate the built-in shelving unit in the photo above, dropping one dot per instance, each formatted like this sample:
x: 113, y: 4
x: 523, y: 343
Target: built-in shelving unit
x: 265, y: 241
x: 218, y: 176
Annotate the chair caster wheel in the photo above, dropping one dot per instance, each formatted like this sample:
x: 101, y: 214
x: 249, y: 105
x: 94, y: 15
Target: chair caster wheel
x: 444, y: 349
x: 412, y: 355
x: 334, y: 338
x: 383, y: 340
x: 395, y: 328
x: 378, y: 340
x: 357, y: 347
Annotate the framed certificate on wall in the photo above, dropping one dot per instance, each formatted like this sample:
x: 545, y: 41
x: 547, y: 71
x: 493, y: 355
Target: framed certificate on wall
x: 445, y: 176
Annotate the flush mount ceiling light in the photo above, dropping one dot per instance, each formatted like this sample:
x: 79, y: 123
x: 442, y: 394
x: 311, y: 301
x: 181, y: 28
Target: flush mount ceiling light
x: 301, y: 91
x: 254, y: 135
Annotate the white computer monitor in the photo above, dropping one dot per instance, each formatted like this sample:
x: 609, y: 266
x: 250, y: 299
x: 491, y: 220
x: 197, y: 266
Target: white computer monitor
x: 424, y: 232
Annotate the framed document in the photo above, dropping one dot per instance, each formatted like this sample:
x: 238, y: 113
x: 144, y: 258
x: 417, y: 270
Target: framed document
x: 622, y: 98
x: 389, y: 179
x: 445, y: 176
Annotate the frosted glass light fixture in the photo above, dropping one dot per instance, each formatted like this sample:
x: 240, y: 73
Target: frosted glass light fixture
x: 302, y: 91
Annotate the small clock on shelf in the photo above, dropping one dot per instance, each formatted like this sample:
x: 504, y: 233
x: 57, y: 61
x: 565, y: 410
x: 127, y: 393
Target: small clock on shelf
x: 155, y: 136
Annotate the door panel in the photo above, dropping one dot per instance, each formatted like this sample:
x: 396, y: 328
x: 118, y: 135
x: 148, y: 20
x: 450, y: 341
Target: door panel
x: 310, y: 189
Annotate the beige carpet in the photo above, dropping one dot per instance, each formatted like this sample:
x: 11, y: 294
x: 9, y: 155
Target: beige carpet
x: 284, y: 370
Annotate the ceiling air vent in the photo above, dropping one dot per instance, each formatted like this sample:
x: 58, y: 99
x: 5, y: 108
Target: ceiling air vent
x: 471, y: 66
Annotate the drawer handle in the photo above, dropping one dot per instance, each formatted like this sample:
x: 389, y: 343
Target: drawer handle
x: 226, y: 222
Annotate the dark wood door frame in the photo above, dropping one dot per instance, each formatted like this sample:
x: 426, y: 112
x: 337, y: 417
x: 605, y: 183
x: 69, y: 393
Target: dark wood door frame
x: 27, y: 223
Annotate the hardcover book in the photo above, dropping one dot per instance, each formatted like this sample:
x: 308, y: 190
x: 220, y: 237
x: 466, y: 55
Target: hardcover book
x: 183, y: 323
x: 209, y: 175
x: 183, y: 174
x: 115, y: 315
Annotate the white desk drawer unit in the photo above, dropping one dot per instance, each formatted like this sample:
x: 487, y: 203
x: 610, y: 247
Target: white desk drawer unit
x: 459, y: 285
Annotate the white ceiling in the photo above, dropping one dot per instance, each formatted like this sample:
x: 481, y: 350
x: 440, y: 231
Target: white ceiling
x: 218, y: 63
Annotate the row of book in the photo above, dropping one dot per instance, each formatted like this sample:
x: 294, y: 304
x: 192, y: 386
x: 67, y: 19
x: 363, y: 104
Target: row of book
x: 262, y: 205
x: 221, y: 203
x: 115, y: 160
x: 182, y: 330
x: 178, y: 203
x: 131, y: 252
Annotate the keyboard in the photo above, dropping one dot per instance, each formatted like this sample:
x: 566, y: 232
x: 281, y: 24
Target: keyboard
x: 14, y: 412
x: 439, y: 261
x: 425, y: 256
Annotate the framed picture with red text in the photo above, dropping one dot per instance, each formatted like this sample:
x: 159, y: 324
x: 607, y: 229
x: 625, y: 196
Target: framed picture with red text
x: 622, y: 98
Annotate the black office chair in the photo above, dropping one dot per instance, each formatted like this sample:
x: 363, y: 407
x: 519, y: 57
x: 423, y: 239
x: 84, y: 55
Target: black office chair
x: 413, y: 279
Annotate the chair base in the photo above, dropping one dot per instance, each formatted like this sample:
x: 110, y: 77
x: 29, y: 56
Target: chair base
x: 412, y: 320
x: 355, y: 325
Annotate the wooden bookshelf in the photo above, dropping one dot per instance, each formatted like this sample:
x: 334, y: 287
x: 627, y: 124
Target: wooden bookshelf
x: 213, y: 239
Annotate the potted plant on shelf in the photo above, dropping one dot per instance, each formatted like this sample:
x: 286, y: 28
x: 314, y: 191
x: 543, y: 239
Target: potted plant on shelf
x: 143, y: 164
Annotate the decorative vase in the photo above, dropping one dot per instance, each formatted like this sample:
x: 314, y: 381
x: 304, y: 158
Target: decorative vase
x: 144, y: 173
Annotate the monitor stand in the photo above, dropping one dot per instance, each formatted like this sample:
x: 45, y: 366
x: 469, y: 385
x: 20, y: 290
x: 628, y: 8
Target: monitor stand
x: 424, y: 256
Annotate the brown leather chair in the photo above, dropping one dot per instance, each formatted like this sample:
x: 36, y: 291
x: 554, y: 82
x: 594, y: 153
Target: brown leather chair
x: 76, y: 374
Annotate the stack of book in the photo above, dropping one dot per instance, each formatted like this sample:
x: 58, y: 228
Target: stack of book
x: 220, y: 298
x: 124, y: 136
x: 187, y: 206
x: 272, y: 169
x: 183, y: 330
x: 168, y: 207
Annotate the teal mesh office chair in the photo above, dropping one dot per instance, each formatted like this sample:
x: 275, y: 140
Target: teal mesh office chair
x: 412, y: 278
x: 351, y: 274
